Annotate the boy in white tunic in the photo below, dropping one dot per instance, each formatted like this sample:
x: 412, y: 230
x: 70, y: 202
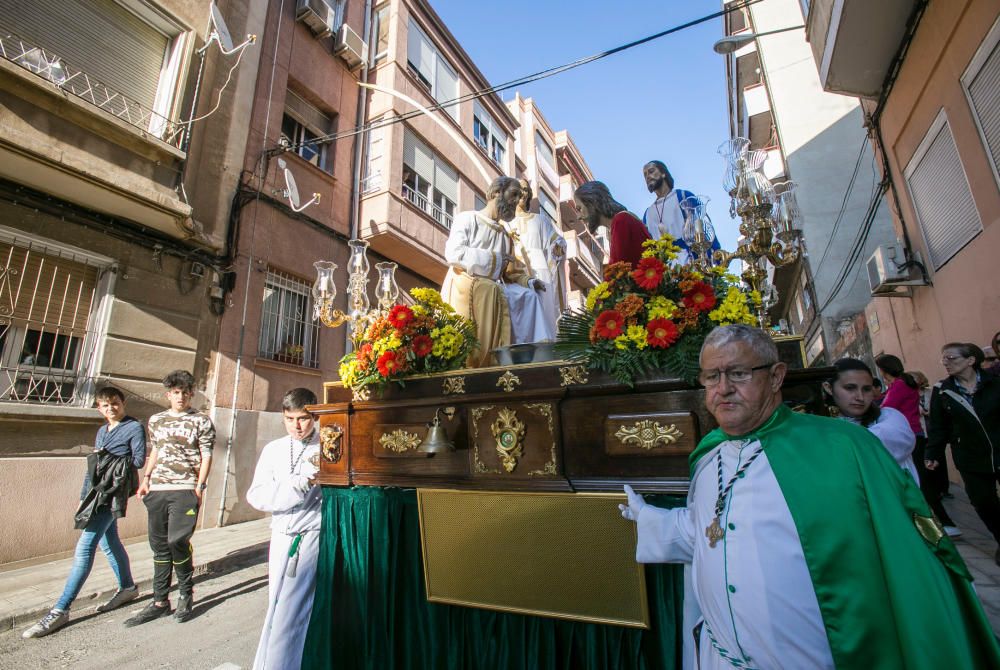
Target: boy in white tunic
x: 284, y: 485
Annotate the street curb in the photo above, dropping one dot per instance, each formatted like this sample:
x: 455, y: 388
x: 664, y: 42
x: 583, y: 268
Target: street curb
x: 234, y: 560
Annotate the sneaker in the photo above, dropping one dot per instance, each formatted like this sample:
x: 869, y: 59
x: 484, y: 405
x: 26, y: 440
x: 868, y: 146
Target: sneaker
x: 183, y: 611
x: 120, y: 597
x: 952, y: 531
x: 148, y: 613
x: 49, y: 623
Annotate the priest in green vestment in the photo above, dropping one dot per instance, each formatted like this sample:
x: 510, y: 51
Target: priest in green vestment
x: 807, y: 546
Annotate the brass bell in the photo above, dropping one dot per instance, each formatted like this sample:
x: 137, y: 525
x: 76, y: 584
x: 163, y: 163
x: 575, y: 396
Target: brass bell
x: 437, y: 439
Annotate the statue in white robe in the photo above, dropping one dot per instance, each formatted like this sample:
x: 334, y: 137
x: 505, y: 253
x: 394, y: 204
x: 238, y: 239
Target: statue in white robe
x: 542, y: 250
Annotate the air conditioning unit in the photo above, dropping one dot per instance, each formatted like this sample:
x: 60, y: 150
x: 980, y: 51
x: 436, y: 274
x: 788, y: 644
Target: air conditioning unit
x: 318, y: 15
x: 884, y: 273
x: 351, y: 47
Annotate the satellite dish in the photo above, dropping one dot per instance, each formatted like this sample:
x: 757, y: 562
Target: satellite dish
x: 291, y: 188
x: 221, y: 31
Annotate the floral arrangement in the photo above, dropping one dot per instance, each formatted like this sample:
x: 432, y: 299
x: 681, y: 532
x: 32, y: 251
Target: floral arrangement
x: 653, y: 316
x: 428, y: 336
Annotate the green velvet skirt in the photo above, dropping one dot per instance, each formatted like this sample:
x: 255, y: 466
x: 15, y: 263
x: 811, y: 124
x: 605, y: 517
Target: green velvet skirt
x: 370, y: 611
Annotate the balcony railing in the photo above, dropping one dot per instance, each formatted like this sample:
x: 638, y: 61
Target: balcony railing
x: 420, y: 201
x: 52, y: 68
x: 372, y: 182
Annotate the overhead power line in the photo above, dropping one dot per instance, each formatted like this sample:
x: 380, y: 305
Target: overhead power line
x: 521, y: 81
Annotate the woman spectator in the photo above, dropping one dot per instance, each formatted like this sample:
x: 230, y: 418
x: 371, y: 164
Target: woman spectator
x: 965, y: 413
x: 903, y: 394
x: 852, y: 389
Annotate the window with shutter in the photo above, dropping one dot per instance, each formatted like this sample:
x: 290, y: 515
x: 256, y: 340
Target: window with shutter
x: 301, y: 125
x: 47, y: 336
x: 941, y: 195
x: 488, y: 136
x: 431, y: 68
x: 428, y: 182
x: 288, y: 333
x: 127, y: 54
x: 982, y: 87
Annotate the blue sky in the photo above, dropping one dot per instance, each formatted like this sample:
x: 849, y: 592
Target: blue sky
x: 663, y: 100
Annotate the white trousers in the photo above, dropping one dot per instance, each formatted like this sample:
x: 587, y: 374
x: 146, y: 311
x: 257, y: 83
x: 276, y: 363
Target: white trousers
x: 290, y: 601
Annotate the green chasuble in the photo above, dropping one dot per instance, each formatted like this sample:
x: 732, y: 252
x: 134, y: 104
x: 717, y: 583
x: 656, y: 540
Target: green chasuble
x: 892, y: 589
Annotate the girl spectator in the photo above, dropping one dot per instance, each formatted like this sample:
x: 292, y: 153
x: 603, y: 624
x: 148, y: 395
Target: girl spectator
x: 852, y: 390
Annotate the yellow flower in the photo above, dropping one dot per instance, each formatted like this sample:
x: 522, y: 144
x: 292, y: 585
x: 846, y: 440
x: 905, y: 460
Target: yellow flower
x: 637, y: 334
x: 599, y: 292
x: 663, y: 248
x: 419, y: 310
x: 621, y: 342
x: 733, y: 309
x: 348, y: 372
x: 660, y: 307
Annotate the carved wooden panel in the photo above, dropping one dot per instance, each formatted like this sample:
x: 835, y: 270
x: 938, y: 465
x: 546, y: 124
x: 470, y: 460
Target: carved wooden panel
x: 398, y: 440
x: 334, y: 462
x: 516, y: 439
x: 650, y: 434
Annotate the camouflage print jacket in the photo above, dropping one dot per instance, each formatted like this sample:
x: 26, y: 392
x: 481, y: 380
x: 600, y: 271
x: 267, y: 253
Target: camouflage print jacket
x: 180, y: 443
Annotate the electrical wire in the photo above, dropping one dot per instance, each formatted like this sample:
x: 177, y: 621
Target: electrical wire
x: 520, y: 81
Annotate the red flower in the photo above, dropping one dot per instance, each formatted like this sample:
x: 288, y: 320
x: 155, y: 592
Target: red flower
x: 422, y: 345
x: 649, y: 273
x: 700, y: 297
x: 609, y: 324
x: 661, y: 333
x: 390, y: 363
x: 399, y: 316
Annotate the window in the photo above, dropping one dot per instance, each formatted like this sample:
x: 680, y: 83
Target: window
x: 381, y: 32
x: 546, y: 206
x: 428, y: 182
x: 489, y: 137
x: 804, y: 283
x: 303, y: 123
x: 52, y: 295
x: 544, y: 150
x: 433, y: 71
x: 287, y: 332
x: 121, y: 56
x: 375, y: 141
x: 480, y: 201
x: 946, y: 212
x: 981, y: 82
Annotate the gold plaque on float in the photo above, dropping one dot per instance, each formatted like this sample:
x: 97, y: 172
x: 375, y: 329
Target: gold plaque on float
x: 564, y: 555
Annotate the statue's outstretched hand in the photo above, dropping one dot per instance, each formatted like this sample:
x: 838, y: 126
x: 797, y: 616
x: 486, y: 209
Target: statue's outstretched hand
x: 634, y: 506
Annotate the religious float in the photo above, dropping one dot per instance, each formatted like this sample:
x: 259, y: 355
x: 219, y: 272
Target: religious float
x: 470, y: 515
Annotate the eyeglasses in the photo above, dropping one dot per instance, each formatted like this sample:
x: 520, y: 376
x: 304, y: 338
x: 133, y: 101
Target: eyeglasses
x: 710, y: 378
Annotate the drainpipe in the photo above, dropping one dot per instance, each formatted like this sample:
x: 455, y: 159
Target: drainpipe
x: 354, y: 222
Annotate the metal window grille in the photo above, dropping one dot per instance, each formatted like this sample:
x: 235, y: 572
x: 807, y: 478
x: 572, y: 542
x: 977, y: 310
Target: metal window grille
x: 47, y: 336
x: 287, y: 332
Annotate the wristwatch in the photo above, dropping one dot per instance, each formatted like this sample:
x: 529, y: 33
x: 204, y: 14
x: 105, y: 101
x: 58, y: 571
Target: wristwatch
x: 202, y: 486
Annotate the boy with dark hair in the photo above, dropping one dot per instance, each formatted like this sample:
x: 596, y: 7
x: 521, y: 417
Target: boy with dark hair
x: 119, y: 449
x: 181, y: 441
x: 284, y: 485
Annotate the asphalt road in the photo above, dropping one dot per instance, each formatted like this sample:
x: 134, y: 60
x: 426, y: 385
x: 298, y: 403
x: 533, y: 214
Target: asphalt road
x: 229, y: 611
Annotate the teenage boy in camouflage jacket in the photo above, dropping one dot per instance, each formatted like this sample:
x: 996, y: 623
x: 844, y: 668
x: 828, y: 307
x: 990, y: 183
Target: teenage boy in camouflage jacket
x: 181, y: 441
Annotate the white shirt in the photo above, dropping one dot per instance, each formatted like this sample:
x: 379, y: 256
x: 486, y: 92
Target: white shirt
x: 894, y: 431
x: 476, y: 245
x: 281, y: 485
x: 753, y: 588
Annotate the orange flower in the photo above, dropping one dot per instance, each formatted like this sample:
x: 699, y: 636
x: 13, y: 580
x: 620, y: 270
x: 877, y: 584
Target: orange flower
x: 616, y: 271
x: 661, y: 333
x: 649, y: 273
x: 391, y: 362
x: 700, y: 297
x: 630, y: 305
x: 686, y: 318
x: 422, y: 345
x: 365, y: 354
x: 400, y: 316
x: 609, y: 324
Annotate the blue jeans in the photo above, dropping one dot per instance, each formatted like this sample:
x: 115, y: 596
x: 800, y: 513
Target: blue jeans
x: 102, y: 530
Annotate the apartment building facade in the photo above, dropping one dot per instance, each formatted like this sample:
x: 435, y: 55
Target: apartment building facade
x: 818, y: 140
x: 930, y: 75
x: 113, y: 234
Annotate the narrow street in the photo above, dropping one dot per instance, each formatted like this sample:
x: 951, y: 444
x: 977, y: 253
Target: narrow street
x: 229, y: 610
